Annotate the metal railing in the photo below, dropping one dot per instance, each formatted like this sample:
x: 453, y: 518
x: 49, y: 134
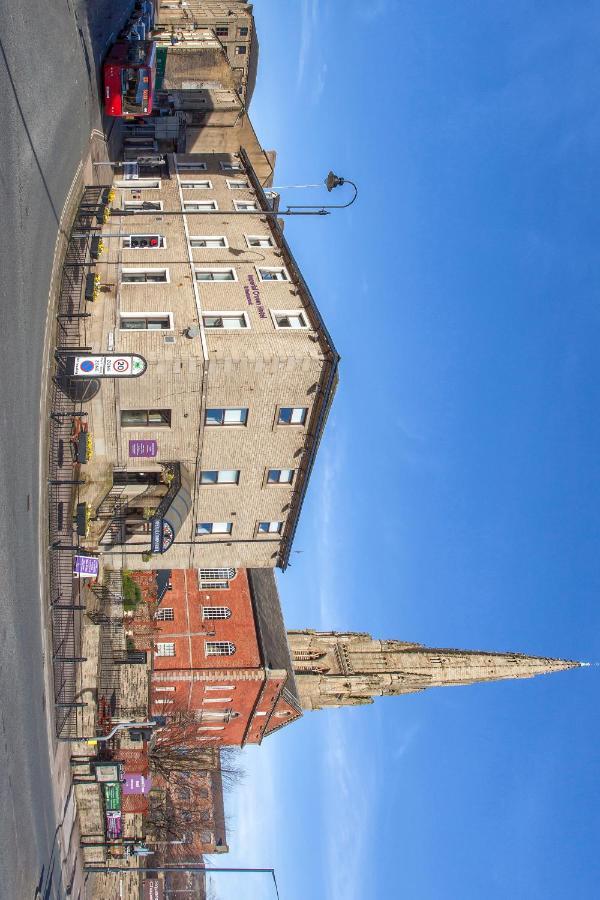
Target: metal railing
x: 65, y: 599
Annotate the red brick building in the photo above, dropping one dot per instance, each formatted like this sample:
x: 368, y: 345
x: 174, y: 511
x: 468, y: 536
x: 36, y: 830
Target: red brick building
x: 220, y: 651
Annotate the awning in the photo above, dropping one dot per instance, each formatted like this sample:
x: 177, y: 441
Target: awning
x: 174, y: 509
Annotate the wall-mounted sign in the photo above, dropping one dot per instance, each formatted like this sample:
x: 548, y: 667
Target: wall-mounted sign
x: 105, y: 365
x: 161, y: 535
x: 86, y: 566
x: 153, y: 889
x: 140, y: 448
x: 136, y: 784
x: 253, y: 297
x: 114, y: 826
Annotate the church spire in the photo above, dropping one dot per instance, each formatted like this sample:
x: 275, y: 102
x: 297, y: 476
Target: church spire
x: 347, y: 669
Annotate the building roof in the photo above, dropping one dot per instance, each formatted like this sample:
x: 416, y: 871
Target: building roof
x: 271, y: 630
x: 252, y: 66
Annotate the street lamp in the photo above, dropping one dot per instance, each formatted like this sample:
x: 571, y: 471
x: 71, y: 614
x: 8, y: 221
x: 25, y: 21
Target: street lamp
x: 332, y: 181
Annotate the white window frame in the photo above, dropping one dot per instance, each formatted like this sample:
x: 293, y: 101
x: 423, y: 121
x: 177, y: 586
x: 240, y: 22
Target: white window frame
x: 243, y: 205
x: 277, y: 483
x: 259, y: 237
x: 238, y: 184
x: 165, y: 610
x: 285, y: 280
x: 217, y: 700
x: 230, y: 166
x: 289, y: 312
x: 192, y: 206
x: 126, y: 241
x: 226, y: 314
x: 126, y: 270
x: 210, y: 645
x: 139, y: 184
x: 219, y: 687
x: 165, y: 689
x: 278, y: 530
x: 215, y: 269
x: 224, y: 423
x: 163, y: 644
x: 199, y: 184
x: 212, y: 531
x: 291, y: 424
x: 224, y: 610
x: 186, y: 165
x: 137, y: 204
x: 219, y: 473
x: 144, y: 315
x: 210, y: 728
x: 209, y: 237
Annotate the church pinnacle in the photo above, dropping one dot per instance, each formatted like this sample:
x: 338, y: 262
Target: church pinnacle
x: 348, y: 669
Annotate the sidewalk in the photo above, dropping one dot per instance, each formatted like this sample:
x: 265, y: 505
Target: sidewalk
x: 68, y: 834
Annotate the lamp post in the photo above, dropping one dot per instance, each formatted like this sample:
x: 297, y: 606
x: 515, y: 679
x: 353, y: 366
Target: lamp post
x: 332, y: 181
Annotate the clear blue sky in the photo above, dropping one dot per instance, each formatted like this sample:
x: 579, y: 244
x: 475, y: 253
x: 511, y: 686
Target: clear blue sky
x: 455, y: 500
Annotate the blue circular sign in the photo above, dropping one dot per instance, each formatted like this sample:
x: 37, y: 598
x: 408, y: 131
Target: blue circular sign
x: 87, y: 365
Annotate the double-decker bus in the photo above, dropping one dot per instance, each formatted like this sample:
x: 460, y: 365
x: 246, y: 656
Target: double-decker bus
x: 129, y: 76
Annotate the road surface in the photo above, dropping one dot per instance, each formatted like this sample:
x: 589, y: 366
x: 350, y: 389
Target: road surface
x: 50, y: 52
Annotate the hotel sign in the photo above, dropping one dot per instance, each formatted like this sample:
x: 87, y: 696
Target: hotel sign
x: 141, y: 448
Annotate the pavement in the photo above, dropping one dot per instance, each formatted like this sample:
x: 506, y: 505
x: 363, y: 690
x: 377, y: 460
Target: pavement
x: 50, y: 54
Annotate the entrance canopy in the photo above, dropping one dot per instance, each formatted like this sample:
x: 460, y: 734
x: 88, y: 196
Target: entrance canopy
x: 174, y: 509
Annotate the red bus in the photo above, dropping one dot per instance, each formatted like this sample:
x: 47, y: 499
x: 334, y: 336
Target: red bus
x: 129, y: 75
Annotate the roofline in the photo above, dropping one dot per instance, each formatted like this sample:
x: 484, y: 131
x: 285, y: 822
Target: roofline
x: 329, y: 390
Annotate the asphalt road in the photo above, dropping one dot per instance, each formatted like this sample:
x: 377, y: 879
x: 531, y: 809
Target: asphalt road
x: 50, y: 52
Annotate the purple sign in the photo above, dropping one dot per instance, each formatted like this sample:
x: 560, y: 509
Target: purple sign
x: 143, y: 448
x: 136, y: 784
x: 114, y: 825
x: 86, y: 566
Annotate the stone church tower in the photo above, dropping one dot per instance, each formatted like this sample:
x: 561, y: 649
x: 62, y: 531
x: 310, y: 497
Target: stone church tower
x: 337, y: 669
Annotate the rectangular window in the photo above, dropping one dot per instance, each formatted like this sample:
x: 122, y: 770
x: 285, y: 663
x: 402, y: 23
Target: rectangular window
x: 145, y: 418
x: 293, y: 319
x: 227, y: 321
x: 227, y: 274
x: 209, y: 242
x: 204, y: 185
x: 220, y: 476
x: 200, y: 205
x: 230, y: 415
x: 245, y: 205
x: 210, y: 728
x: 146, y: 322
x: 219, y: 648
x: 237, y: 184
x: 269, y: 527
x: 149, y: 205
x: 272, y: 273
x: 165, y: 614
x: 187, y: 164
x: 219, y: 687
x: 280, y: 476
x: 218, y: 700
x: 163, y: 700
x: 243, y: 31
x: 165, y: 649
x: 135, y: 184
x: 144, y: 242
x: 292, y: 415
x: 215, y: 586
x: 163, y: 690
x: 144, y: 276
x: 259, y: 240
x: 230, y: 167
x: 240, y: 50
x: 213, y: 528
x: 221, y: 30
x: 216, y: 612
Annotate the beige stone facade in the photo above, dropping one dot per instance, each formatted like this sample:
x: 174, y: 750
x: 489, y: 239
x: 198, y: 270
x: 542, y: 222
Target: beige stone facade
x: 335, y: 669
x: 273, y: 363
x: 232, y: 23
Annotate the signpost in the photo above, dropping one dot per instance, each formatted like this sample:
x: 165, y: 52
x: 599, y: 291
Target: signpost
x: 86, y: 566
x: 105, y: 365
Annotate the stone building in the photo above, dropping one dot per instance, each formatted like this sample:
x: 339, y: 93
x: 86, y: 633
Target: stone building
x: 350, y: 669
x: 205, y: 459
x: 231, y: 22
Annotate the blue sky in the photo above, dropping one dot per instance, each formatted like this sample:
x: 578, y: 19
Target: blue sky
x: 455, y: 500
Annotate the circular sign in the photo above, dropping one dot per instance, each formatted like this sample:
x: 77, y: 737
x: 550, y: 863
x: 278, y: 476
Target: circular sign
x: 87, y: 365
x: 120, y: 365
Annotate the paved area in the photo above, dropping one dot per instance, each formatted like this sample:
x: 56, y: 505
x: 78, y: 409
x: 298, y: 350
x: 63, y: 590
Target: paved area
x: 49, y: 63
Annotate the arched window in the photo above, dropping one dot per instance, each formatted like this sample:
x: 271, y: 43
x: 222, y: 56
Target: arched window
x: 215, y: 579
x: 216, y: 612
x: 219, y: 648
